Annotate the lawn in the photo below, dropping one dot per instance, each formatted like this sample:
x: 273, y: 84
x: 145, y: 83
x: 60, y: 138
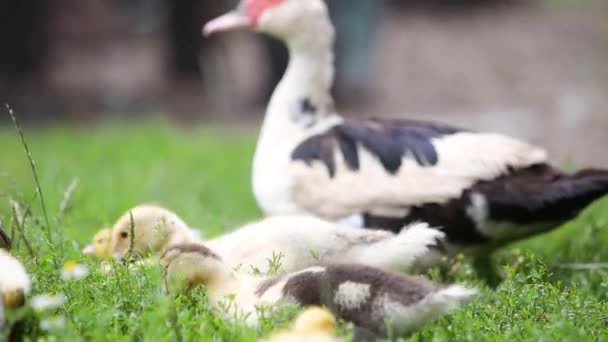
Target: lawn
x: 203, y: 174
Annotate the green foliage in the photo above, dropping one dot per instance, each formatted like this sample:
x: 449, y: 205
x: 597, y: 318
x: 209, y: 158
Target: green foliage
x: 204, y: 175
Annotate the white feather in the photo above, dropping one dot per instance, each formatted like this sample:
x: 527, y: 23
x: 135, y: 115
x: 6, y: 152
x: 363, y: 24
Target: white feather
x: 401, y: 253
x: 303, y: 241
x: 351, y: 295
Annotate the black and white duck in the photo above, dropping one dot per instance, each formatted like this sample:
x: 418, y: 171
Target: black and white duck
x: 483, y: 189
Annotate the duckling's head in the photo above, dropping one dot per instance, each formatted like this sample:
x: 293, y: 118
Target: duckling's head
x: 100, y: 247
x: 315, y: 320
x: 153, y: 228
x: 189, y: 265
x: 284, y: 19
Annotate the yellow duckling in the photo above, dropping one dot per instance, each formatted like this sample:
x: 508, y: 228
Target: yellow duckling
x: 313, y: 324
x: 100, y: 247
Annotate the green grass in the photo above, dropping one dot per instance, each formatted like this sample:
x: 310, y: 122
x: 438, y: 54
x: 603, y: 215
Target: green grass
x: 204, y: 175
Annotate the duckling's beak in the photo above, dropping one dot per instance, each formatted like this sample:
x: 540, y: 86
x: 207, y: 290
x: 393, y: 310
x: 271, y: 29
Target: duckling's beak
x: 233, y: 20
x: 14, y: 298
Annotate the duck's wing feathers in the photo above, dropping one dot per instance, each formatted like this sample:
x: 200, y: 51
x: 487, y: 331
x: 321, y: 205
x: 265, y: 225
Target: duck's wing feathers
x: 386, y: 166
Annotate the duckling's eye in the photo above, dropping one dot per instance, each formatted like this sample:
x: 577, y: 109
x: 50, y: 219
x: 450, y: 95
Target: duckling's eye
x: 124, y: 235
x: 100, y: 241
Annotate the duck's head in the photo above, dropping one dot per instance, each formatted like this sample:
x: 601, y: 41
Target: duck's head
x: 189, y: 265
x: 127, y: 235
x: 315, y: 320
x: 153, y: 228
x: 100, y: 247
x: 284, y: 19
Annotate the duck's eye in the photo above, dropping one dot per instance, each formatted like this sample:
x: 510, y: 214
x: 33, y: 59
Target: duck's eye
x: 124, y: 235
x: 99, y: 241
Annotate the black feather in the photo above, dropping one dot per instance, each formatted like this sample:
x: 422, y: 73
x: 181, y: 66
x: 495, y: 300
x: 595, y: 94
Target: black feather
x: 388, y: 140
x: 307, y: 107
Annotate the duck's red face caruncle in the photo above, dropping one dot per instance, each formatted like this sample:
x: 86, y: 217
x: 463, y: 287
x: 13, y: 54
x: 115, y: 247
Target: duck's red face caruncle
x: 255, y: 8
x: 247, y: 15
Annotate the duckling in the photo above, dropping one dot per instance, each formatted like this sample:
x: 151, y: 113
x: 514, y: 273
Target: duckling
x: 314, y: 324
x: 15, y: 283
x: 300, y: 241
x: 374, y: 300
x: 100, y: 246
x: 155, y: 228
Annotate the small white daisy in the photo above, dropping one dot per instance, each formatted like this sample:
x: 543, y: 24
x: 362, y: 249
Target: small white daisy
x: 48, y: 302
x: 74, y: 271
x: 52, y: 323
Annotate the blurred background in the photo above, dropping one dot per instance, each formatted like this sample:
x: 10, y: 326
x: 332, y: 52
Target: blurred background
x: 537, y: 69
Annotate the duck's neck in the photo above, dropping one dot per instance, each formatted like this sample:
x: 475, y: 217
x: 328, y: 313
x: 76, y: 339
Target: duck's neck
x: 300, y: 107
x: 302, y: 101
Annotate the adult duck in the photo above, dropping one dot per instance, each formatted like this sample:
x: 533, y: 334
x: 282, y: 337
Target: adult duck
x: 484, y: 189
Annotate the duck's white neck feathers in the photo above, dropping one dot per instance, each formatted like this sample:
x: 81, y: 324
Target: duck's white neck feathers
x: 300, y: 106
x: 302, y: 100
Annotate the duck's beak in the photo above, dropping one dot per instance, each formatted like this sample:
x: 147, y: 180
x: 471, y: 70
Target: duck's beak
x: 14, y: 298
x: 233, y: 20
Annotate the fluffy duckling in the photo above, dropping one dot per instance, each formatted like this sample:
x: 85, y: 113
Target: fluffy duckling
x: 100, y: 247
x: 15, y: 283
x: 301, y: 241
x: 375, y: 301
x: 304, y: 241
x: 314, y: 324
x: 155, y: 228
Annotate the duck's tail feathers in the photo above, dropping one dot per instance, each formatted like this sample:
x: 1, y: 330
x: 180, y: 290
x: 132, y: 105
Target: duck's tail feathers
x: 452, y: 297
x: 541, y: 193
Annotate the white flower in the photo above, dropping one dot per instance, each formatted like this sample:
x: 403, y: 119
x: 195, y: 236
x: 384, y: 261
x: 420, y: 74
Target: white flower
x: 48, y: 302
x: 53, y: 323
x: 74, y: 271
